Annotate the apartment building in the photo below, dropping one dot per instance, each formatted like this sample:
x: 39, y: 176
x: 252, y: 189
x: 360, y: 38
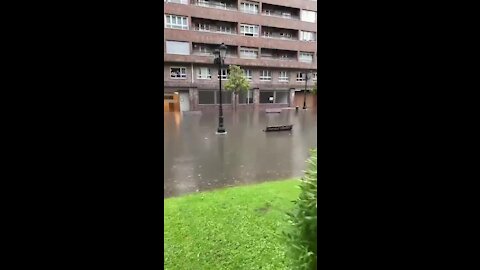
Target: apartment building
x: 273, y: 41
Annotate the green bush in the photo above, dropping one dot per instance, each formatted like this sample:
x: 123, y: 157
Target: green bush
x: 301, y: 235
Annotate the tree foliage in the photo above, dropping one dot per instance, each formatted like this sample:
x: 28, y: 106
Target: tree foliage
x: 314, y: 89
x: 237, y: 82
x: 302, y: 233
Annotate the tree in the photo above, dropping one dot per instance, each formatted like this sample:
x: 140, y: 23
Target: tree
x: 237, y: 82
x: 314, y: 89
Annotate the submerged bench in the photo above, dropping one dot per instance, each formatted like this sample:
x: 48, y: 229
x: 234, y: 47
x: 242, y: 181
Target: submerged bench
x: 273, y: 110
x: 278, y: 128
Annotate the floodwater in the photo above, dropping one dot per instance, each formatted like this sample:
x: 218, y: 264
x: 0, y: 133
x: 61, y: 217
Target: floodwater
x: 197, y: 159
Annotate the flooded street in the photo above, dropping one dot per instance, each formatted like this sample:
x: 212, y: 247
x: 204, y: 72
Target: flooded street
x: 197, y: 159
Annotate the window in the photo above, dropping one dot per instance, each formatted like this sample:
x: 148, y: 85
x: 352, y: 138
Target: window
x: 185, y: 2
x: 224, y: 73
x: 266, y: 75
x: 248, y: 53
x: 226, y: 97
x: 206, y: 97
x: 300, y: 77
x: 307, y: 36
x: 203, y: 73
x: 308, y: 16
x: 314, y: 76
x: 203, y: 27
x: 178, y: 72
x: 249, y: 7
x: 266, y: 96
x: 267, y: 12
x: 284, y: 57
x: 249, y: 30
x: 177, y: 47
x: 281, y: 97
x: 286, y: 14
x: 246, y: 98
x: 248, y: 74
x: 306, y: 57
x: 225, y: 29
x: 283, y: 76
x: 176, y: 22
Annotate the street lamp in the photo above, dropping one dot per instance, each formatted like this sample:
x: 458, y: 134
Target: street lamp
x: 219, y: 59
x: 305, y: 93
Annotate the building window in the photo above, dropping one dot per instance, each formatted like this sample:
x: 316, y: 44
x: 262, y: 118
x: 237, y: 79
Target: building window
x: 248, y: 53
x: 226, y: 97
x: 267, y: 12
x: 286, y: 14
x: 225, y: 29
x: 307, y: 36
x: 178, y: 72
x: 249, y: 7
x: 267, y: 96
x: 185, y: 2
x: 177, y: 47
x: 306, y: 57
x: 279, y: 97
x: 203, y: 73
x: 246, y: 98
x: 300, y: 77
x: 203, y: 27
x: 314, y: 76
x: 224, y: 73
x: 308, y: 16
x: 249, y: 30
x: 206, y: 97
x: 266, y: 75
x: 176, y: 22
x: 283, y: 76
x: 248, y: 74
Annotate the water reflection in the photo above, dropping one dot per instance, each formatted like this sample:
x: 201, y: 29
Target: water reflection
x: 197, y: 159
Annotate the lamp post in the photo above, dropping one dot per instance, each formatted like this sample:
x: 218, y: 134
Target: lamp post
x: 305, y: 93
x: 219, y: 59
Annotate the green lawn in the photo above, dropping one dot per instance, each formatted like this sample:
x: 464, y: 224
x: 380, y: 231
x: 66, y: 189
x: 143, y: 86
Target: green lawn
x: 233, y: 228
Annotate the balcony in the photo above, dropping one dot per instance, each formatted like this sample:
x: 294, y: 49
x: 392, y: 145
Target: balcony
x: 226, y: 4
x: 279, y: 11
x: 204, y: 25
x: 202, y: 49
x: 278, y: 33
x: 274, y: 54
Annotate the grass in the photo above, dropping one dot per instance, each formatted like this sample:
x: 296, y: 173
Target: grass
x: 233, y: 228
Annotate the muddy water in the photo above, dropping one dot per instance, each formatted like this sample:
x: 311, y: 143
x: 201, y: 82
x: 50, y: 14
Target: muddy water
x: 197, y: 159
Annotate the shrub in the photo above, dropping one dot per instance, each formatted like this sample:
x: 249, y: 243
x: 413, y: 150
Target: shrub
x: 301, y: 236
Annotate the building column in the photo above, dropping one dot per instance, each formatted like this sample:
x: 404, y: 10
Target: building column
x: 256, y: 96
x: 291, y: 100
x: 193, y: 97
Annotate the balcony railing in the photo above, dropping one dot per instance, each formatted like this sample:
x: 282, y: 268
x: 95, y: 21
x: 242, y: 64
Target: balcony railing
x: 212, y: 4
x: 293, y: 17
x: 215, y: 30
x: 276, y: 57
x: 278, y: 36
